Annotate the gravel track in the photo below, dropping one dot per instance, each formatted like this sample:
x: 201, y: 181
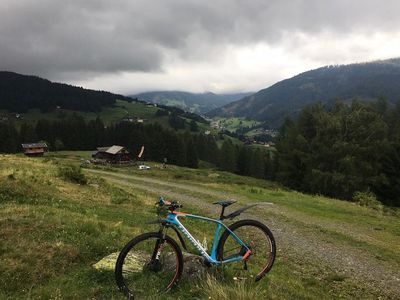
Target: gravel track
x: 295, y: 241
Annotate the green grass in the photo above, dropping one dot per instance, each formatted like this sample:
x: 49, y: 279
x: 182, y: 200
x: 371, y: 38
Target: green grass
x: 74, y: 155
x: 52, y: 231
x: 255, y: 132
x: 233, y: 124
x: 109, y: 115
x: 123, y: 108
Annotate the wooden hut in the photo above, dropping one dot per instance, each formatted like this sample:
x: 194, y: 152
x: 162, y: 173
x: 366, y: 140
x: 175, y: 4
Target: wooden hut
x: 113, y: 154
x: 34, y: 149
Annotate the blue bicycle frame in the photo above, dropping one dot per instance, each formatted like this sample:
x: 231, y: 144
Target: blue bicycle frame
x: 173, y: 219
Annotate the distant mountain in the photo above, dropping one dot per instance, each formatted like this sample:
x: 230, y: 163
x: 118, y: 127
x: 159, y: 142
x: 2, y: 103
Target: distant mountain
x: 19, y: 93
x: 366, y: 81
x: 23, y: 95
x: 197, y: 103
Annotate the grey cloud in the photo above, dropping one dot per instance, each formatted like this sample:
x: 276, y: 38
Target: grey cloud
x: 81, y: 38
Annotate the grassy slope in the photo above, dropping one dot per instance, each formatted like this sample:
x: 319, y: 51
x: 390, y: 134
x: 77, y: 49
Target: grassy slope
x: 233, y: 124
x: 111, y: 115
x: 52, y: 231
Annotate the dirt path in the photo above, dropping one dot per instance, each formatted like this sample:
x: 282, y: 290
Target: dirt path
x: 352, y: 230
x: 294, y: 240
x: 167, y: 184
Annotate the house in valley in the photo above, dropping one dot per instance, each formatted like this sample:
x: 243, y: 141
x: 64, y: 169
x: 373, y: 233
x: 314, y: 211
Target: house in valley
x: 114, y: 154
x: 34, y: 149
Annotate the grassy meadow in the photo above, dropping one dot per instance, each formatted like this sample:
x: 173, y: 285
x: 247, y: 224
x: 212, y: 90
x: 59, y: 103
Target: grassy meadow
x: 233, y: 124
x: 52, y: 231
x: 109, y: 115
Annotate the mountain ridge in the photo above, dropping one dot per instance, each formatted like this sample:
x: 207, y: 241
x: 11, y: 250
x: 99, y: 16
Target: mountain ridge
x: 194, y: 102
x: 32, y: 98
x: 367, y: 81
x: 19, y: 93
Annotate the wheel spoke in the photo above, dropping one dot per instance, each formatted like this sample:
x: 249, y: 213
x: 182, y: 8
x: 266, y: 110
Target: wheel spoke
x: 146, y: 265
x: 259, y: 240
x: 235, y: 248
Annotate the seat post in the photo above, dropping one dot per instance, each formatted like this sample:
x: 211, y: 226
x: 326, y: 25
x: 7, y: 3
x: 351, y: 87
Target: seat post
x: 222, y: 213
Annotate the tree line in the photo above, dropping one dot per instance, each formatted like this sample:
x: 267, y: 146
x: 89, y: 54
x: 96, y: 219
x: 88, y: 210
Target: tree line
x: 342, y: 150
x: 74, y: 133
x: 19, y: 93
x: 338, y: 151
x: 180, y: 148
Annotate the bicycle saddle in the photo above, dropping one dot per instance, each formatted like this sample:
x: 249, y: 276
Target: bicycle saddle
x: 225, y: 203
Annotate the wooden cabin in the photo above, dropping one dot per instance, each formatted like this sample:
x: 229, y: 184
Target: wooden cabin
x: 34, y: 149
x: 113, y: 154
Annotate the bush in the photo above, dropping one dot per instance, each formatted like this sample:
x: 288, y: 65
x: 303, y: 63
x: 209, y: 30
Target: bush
x: 119, y: 196
x: 367, y: 199
x: 72, y: 173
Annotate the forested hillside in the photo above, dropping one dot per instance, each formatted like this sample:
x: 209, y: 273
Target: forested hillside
x: 366, y: 81
x: 28, y: 99
x: 348, y: 152
x: 19, y: 93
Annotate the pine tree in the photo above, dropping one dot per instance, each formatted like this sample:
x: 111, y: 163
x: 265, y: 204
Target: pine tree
x: 191, y: 155
x: 193, y: 126
x: 9, y: 139
x: 228, y: 156
x: 257, y: 164
x: 27, y: 134
x: 212, y: 152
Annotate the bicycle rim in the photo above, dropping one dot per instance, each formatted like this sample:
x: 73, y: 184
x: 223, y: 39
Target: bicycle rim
x: 262, y: 246
x: 139, y: 273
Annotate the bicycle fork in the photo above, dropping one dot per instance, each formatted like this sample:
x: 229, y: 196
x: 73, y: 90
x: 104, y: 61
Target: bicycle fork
x: 155, y: 264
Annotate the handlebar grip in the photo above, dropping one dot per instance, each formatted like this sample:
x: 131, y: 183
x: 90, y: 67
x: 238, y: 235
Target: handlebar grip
x: 174, y: 204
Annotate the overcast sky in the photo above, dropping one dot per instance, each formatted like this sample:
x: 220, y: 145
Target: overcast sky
x: 220, y: 45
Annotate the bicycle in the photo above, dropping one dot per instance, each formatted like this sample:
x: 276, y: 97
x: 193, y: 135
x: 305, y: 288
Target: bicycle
x: 155, y: 259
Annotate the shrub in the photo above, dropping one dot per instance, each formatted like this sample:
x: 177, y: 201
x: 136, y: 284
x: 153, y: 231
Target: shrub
x: 72, y: 173
x: 11, y: 176
x: 367, y: 199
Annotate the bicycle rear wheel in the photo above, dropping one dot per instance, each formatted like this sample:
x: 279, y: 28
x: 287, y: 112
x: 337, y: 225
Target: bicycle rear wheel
x: 148, y: 264
x: 259, y: 239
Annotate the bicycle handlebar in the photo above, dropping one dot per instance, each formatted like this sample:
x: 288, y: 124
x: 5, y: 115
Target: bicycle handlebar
x: 172, y: 205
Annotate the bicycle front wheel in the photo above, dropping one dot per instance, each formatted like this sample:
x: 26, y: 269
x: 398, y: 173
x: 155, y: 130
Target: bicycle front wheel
x: 148, y: 264
x: 259, y: 239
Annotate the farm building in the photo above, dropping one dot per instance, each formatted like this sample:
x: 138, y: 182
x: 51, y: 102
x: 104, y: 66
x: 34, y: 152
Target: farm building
x: 113, y: 154
x: 129, y: 119
x: 34, y: 149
